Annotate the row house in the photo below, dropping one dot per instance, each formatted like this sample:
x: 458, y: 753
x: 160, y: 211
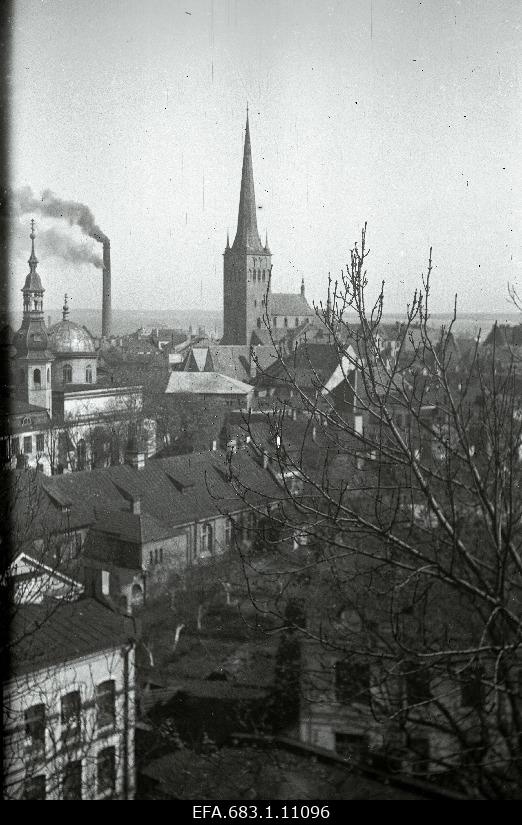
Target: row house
x: 129, y: 528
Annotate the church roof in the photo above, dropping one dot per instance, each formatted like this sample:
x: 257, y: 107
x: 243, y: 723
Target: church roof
x: 247, y: 235
x: 283, y: 303
x: 66, y: 336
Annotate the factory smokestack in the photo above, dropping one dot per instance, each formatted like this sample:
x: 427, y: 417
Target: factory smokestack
x: 106, y: 295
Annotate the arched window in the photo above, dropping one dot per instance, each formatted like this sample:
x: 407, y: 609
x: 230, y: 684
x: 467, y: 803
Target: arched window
x: 255, y: 302
x: 37, y: 378
x: 297, y: 322
x: 48, y: 375
x: 67, y: 374
x: 88, y: 374
x: 275, y: 320
x: 137, y: 596
x: 259, y: 323
x: 286, y: 322
x: 263, y: 276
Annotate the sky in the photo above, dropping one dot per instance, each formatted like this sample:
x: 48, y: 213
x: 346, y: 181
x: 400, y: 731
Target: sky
x: 399, y: 113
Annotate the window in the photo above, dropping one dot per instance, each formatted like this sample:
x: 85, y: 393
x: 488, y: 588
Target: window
x: 420, y: 755
x: 285, y: 322
x: 352, y: 681
x: 297, y: 322
x: 35, y: 726
x: 275, y: 321
x: 48, y: 375
x: 207, y: 538
x: 88, y: 374
x: 28, y: 444
x: 71, y: 710
x: 106, y: 578
x: 259, y: 323
x: 417, y: 685
x: 106, y: 703
x: 40, y: 443
x: 106, y: 770
x: 151, y: 557
x: 263, y: 276
x: 72, y: 780
x: 158, y: 555
x: 26, y: 421
x: 37, y: 378
x: 34, y: 787
x: 67, y: 374
x: 228, y: 532
x: 472, y: 690
x: 352, y: 746
x: 15, y: 445
x: 81, y: 454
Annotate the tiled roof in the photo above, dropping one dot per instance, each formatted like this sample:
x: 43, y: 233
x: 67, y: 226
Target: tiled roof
x: 230, y: 360
x: 39, y: 500
x: 208, y: 383
x: 45, y: 636
x: 135, y: 528
x: 285, y: 303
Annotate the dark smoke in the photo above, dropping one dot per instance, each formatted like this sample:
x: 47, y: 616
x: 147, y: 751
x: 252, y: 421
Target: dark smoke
x: 51, y: 206
x: 62, y: 246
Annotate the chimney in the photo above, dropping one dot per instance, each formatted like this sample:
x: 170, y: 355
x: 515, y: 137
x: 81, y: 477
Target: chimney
x: 106, y: 295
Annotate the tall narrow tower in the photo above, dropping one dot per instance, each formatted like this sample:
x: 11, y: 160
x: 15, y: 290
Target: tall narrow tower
x: 247, y: 264
x: 33, y: 357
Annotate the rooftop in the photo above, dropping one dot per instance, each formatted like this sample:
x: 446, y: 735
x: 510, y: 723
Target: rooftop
x: 208, y: 383
x: 42, y: 636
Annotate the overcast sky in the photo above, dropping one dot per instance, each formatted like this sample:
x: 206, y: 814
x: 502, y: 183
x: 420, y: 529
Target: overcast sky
x: 401, y: 113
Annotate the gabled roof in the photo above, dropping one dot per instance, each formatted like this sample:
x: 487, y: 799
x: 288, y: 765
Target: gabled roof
x: 137, y: 529
x: 206, y: 383
x: 283, y: 303
x: 94, y: 493
x: 43, y: 637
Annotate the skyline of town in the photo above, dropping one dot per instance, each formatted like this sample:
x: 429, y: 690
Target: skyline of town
x: 424, y: 133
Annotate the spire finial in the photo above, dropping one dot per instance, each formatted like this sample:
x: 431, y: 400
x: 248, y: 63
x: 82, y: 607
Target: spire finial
x: 32, y: 259
x: 65, y: 308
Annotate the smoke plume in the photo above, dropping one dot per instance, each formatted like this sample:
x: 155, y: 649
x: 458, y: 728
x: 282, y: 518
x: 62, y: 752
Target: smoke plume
x: 50, y: 205
x: 54, y: 242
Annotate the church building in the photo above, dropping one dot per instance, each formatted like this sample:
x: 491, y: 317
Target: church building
x: 58, y: 416
x: 251, y: 311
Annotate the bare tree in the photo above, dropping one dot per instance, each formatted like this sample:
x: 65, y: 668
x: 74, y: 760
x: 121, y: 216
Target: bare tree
x: 400, y: 485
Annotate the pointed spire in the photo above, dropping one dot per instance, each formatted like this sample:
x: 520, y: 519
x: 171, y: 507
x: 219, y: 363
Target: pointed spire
x: 247, y: 235
x: 65, y: 308
x: 302, y: 287
x: 33, y: 260
x: 267, y: 248
x: 32, y: 281
x: 228, y: 241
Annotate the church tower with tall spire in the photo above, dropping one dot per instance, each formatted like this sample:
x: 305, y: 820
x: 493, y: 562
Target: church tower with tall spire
x: 247, y: 264
x: 33, y: 355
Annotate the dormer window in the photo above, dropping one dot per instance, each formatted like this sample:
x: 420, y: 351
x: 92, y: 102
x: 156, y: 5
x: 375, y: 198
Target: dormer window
x: 26, y: 422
